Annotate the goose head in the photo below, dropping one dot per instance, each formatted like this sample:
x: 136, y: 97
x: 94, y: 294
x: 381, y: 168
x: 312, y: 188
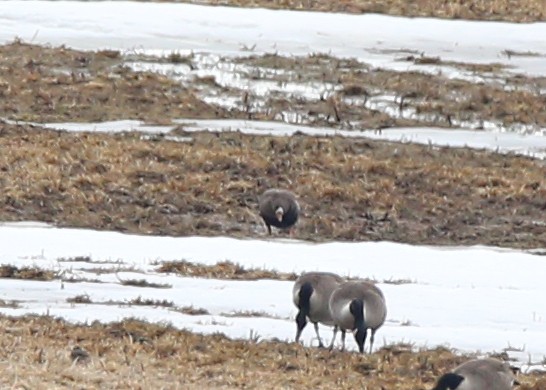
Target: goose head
x: 279, y: 213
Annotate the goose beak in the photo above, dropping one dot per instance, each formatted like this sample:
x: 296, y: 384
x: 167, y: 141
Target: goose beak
x: 279, y: 213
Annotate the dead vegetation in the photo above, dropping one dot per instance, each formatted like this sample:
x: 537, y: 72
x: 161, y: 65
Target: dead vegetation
x: 27, y: 273
x: 143, y: 283
x: 192, y: 311
x: 231, y: 271
x: 349, y: 189
x: 12, y: 304
x: 134, y: 354
x: 138, y: 301
x: 222, y: 270
x: 354, y: 94
x: 506, y: 10
x: 47, y: 84
x: 247, y: 313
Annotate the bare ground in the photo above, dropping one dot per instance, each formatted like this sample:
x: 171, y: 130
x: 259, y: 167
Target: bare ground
x: 42, y: 352
x: 506, y: 10
x: 349, y: 190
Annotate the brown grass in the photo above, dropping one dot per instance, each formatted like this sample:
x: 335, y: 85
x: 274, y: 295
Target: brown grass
x: 507, y: 10
x: 37, y: 352
x: 210, y: 186
x: 222, y: 270
x: 28, y: 273
x: 435, y: 98
x: 58, y: 84
x: 231, y: 271
x: 143, y: 283
x: 13, y: 304
x: 192, y: 311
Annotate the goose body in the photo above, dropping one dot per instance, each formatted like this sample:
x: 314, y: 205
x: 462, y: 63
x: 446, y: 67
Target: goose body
x: 311, y: 295
x: 279, y: 208
x: 478, y: 374
x: 358, y: 306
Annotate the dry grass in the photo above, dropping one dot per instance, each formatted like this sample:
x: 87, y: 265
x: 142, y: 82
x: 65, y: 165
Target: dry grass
x: 38, y: 352
x: 507, y: 10
x: 192, y: 311
x: 58, y: 84
x: 27, y: 273
x: 232, y: 271
x: 138, y: 301
x: 421, y: 98
x: 349, y: 189
x: 13, y: 304
x: 222, y: 270
x: 143, y: 283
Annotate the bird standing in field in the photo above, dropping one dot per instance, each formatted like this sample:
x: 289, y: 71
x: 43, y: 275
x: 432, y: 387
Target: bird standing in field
x: 479, y: 374
x: 311, y: 295
x: 358, y: 306
x: 279, y: 208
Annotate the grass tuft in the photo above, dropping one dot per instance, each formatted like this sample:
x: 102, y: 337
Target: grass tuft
x: 28, y: 273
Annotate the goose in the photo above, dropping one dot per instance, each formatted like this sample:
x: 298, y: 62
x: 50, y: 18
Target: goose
x: 311, y: 294
x: 478, y: 374
x: 279, y: 208
x: 358, y: 306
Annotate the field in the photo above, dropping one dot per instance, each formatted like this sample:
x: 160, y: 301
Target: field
x: 356, y: 183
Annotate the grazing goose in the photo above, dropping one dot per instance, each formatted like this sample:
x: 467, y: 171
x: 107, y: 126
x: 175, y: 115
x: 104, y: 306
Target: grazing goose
x: 358, y: 306
x: 279, y: 208
x: 479, y: 374
x: 311, y: 294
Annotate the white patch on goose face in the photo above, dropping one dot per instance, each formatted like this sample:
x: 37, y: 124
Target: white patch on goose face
x: 279, y: 213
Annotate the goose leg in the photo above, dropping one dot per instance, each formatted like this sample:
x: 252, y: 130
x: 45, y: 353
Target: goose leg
x: 318, y: 336
x: 298, y: 334
x: 333, y: 338
x: 268, y: 228
x: 342, y: 340
x: 371, y: 339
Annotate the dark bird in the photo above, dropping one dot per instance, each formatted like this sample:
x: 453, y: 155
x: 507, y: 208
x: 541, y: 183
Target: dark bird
x: 311, y: 294
x: 358, y: 306
x: 279, y: 208
x: 79, y: 354
x: 479, y: 374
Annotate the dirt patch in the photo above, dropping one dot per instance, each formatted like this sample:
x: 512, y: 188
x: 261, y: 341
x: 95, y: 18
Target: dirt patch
x: 349, y: 189
x: 133, y: 354
x: 507, y: 10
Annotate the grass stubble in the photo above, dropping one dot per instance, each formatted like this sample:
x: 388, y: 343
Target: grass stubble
x: 493, y: 10
x: 209, y: 186
x: 349, y: 189
x: 38, y: 352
